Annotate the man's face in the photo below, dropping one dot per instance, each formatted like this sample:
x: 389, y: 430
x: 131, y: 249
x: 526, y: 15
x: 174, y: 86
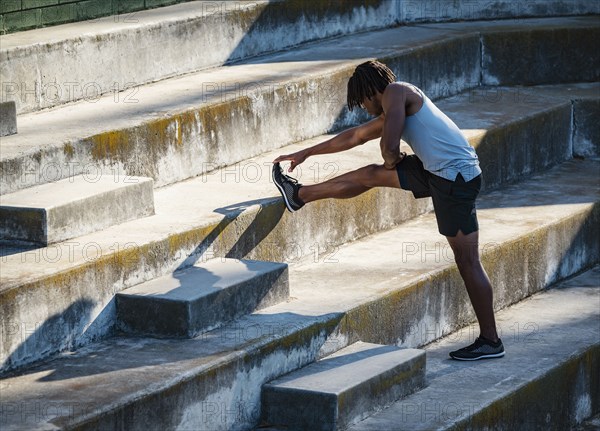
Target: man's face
x: 372, y: 107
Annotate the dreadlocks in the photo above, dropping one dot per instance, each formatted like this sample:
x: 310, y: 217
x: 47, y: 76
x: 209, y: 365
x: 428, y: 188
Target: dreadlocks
x: 368, y: 78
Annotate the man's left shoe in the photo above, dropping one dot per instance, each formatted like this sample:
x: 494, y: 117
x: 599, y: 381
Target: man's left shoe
x: 288, y: 187
x: 482, y: 348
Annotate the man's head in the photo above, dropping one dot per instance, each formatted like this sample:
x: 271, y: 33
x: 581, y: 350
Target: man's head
x: 369, y: 78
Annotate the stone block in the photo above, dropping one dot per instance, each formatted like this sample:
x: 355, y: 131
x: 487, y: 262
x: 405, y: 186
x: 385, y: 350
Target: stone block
x: 200, y: 298
x: 76, y: 206
x: 341, y: 389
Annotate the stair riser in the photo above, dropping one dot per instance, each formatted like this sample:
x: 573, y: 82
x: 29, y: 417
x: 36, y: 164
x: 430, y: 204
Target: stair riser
x: 403, y: 317
x: 8, y: 118
x: 539, y: 61
x: 265, y: 236
x: 268, y: 116
x: 586, y: 139
x: 520, y: 149
x: 437, y: 11
x: 560, y: 400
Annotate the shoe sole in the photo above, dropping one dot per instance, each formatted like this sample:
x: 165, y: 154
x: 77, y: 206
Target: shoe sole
x: 490, y: 356
x: 280, y: 188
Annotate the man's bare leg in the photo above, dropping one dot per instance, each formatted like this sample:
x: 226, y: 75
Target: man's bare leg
x: 479, y: 288
x: 351, y: 184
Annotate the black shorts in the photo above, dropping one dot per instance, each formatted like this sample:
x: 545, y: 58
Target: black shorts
x: 453, y: 201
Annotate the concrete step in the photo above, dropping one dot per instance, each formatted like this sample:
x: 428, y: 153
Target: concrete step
x: 549, y: 378
x: 343, y: 388
x: 51, y: 66
x: 233, y: 213
x: 195, y: 300
x: 396, y: 287
x: 76, y: 206
x: 184, y: 127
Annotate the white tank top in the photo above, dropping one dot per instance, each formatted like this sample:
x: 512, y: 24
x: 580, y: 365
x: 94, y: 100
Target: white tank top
x: 439, y: 143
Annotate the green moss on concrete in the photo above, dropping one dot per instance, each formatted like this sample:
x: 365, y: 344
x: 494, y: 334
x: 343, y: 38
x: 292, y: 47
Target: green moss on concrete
x: 550, y: 400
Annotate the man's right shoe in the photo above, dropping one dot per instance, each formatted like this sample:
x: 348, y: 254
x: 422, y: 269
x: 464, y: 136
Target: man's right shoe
x: 288, y: 187
x: 482, y: 348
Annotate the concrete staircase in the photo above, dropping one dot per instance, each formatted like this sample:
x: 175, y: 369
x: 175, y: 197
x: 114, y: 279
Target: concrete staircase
x: 161, y: 324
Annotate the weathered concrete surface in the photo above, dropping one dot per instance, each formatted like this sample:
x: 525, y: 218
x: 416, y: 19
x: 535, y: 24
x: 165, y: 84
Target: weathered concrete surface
x: 397, y: 287
x: 184, y: 127
x: 440, y: 10
x: 586, y: 142
x: 591, y: 424
x: 51, y: 66
x: 549, y: 378
x: 552, y: 56
x: 200, y: 298
x: 76, y: 206
x: 343, y: 388
x: 225, y: 213
x: 586, y: 109
x: 8, y: 118
x: 549, y: 51
x: 47, y: 67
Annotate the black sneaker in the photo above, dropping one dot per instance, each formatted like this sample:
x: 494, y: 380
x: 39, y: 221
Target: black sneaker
x: 482, y: 348
x: 288, y: 187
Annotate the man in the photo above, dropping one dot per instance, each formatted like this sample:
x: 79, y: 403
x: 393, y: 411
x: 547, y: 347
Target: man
x: 444, y: 167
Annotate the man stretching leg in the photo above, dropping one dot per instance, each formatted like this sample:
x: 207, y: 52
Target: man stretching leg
x: 444, y: 167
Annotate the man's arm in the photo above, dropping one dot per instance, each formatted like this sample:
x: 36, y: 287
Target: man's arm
x: 344, y: 141
x: 394, y: 106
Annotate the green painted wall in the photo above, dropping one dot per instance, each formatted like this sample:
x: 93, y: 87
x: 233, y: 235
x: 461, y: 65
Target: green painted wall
x: 18, y: 15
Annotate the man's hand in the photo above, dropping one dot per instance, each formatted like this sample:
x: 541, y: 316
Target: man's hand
x: 295, y: 158
x: 392, y: 165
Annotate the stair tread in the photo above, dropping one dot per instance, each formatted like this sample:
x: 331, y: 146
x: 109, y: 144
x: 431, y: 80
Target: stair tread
x: 227, y: 192
x: 64, y: 192
x: 542, y: 332
x: 345, y: 368
x: 320, y: 292
x: 107, y: 25
x: 190, y: 284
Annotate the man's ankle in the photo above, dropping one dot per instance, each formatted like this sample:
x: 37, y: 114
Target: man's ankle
x: 301, y: 192
x: 493, y: 340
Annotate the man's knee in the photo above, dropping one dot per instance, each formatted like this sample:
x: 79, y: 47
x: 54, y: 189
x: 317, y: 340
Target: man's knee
x: 369, y: 174
x: 378, y: 176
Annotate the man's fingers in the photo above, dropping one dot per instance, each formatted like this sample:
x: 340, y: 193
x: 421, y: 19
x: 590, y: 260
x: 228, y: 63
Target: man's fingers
x: 281, y: 158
